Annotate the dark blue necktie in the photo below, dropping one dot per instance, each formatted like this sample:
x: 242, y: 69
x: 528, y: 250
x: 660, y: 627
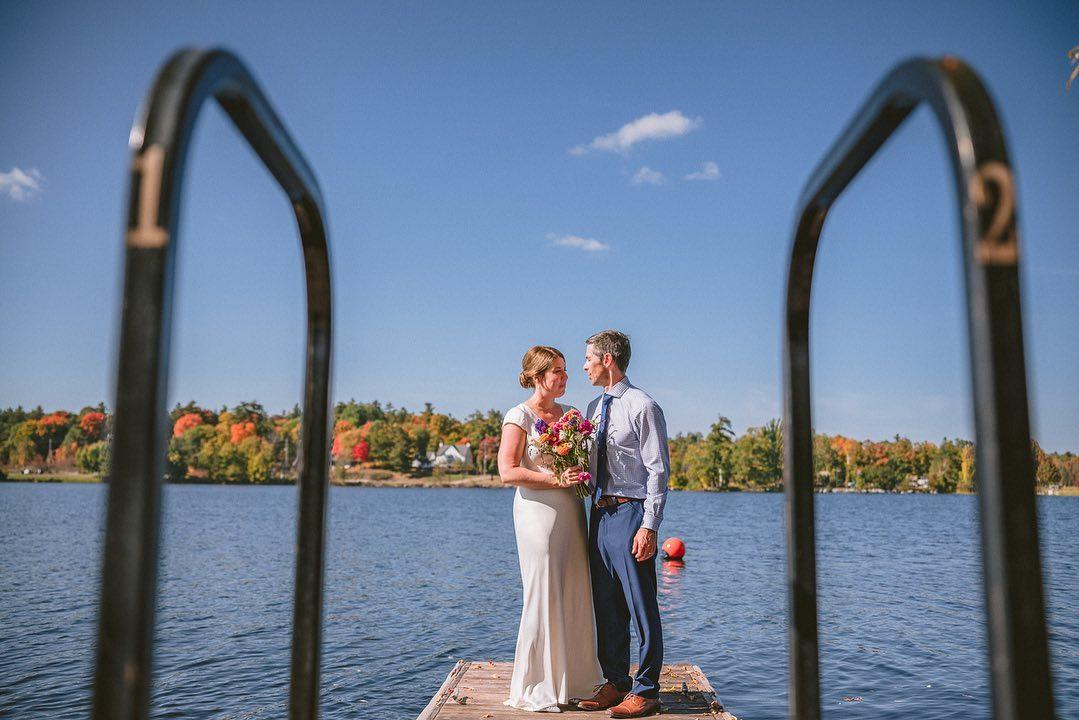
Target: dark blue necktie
x: 601, y: 448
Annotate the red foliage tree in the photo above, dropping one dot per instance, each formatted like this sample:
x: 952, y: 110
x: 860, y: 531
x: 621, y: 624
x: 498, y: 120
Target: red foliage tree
x: 241, y: 431
x: 361, y: 452
x: 185, y: 423
x: 54, y: 426
x: 91, y: 424
x: 54, y: 423
x: 487, y: 452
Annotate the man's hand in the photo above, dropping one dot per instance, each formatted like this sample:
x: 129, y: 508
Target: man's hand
x: 644, y: 544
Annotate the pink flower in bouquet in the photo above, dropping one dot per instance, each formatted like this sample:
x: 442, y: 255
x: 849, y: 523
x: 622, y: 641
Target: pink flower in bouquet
x: 585, y: 427
x: 585, y: 477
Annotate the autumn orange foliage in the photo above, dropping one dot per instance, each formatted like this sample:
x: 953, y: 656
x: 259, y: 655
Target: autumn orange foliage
x: 844, y: 445
x: 185, y: 423
x: 241, y: 431
x: 350, y: 445
x: 53, y: 422
x: 92, y: 423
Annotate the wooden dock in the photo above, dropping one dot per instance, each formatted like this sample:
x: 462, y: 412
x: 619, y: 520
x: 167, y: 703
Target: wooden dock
x: 475, y: 690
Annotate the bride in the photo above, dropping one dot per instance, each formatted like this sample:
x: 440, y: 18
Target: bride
x: 556, y: 657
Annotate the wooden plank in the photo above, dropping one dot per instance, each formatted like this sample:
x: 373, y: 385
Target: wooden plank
x: 475, y: 690
x: 445, y: 691
x: 715, y: 706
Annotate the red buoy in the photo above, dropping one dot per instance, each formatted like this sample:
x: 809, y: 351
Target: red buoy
x: 674, y: 549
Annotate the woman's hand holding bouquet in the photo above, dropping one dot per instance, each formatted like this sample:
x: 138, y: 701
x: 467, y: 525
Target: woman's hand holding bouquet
x: 564, y: 445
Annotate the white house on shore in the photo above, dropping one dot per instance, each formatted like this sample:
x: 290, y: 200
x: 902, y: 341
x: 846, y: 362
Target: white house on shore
x: 451, y: 456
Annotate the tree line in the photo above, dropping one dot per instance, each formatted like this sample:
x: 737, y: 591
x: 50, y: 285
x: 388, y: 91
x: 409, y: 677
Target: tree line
x: 720, y: 461
x: 246, y: 444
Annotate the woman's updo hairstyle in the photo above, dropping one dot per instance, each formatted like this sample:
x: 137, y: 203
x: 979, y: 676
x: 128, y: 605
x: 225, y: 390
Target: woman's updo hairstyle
x: 538, y: 360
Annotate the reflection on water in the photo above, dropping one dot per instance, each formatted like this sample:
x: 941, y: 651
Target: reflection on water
x: 670, y: 587
x: 418, y: 578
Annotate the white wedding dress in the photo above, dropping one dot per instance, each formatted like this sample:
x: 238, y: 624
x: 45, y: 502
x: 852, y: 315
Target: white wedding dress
x: 556, y: 643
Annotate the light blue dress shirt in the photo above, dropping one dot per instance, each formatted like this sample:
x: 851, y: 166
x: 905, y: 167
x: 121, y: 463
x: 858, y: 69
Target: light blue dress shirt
x: 638, y: 458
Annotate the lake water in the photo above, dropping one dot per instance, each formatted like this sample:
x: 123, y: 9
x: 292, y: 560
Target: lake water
x: 418, y: 578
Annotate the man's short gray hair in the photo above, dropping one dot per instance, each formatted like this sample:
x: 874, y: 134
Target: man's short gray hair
x: 613, y: 342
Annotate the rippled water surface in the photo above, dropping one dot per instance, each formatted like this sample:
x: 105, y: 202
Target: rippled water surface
x: 418, y: 578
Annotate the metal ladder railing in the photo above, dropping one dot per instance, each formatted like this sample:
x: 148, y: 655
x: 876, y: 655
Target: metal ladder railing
x: 160, y: 140
x: 1018, y: 649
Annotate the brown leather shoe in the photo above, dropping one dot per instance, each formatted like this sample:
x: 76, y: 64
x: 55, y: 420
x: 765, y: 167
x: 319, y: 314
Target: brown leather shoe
x: 608, y: 696
x: 635, y: 706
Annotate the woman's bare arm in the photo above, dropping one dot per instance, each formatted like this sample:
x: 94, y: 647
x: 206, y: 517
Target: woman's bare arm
x: 510, y: 453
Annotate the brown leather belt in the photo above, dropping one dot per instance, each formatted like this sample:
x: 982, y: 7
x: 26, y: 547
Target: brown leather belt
x: 608, y: 500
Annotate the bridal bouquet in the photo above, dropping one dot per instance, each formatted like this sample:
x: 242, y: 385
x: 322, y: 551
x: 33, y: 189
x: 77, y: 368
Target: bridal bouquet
x: 565, y: 444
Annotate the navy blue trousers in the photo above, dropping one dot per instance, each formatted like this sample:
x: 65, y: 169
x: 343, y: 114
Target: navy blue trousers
x: 624, y: 590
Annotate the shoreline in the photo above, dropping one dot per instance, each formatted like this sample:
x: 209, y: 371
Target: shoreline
x: 468, y: 481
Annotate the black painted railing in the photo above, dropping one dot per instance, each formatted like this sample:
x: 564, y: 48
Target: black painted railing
x: 160, y: 140
x: 985, y: 190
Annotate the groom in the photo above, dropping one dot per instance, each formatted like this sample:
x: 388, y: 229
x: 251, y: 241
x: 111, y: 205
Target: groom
x: 630, y: 464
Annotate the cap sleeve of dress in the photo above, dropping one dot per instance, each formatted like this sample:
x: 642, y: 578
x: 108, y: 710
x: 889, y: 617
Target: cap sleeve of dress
x: 518, y: 417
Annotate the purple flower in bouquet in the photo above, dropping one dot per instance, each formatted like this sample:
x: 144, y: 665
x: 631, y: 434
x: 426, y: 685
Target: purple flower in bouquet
x: 541, y: 427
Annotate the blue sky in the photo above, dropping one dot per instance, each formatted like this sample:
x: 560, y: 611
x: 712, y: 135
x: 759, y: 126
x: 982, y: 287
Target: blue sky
x: 443, y: 137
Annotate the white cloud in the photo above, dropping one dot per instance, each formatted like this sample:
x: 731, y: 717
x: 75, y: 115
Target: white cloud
x: 710, y: 171
x: 19, y: 185
x: 648, y: 176
x: 574, y: 241
x: 649, y: 127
